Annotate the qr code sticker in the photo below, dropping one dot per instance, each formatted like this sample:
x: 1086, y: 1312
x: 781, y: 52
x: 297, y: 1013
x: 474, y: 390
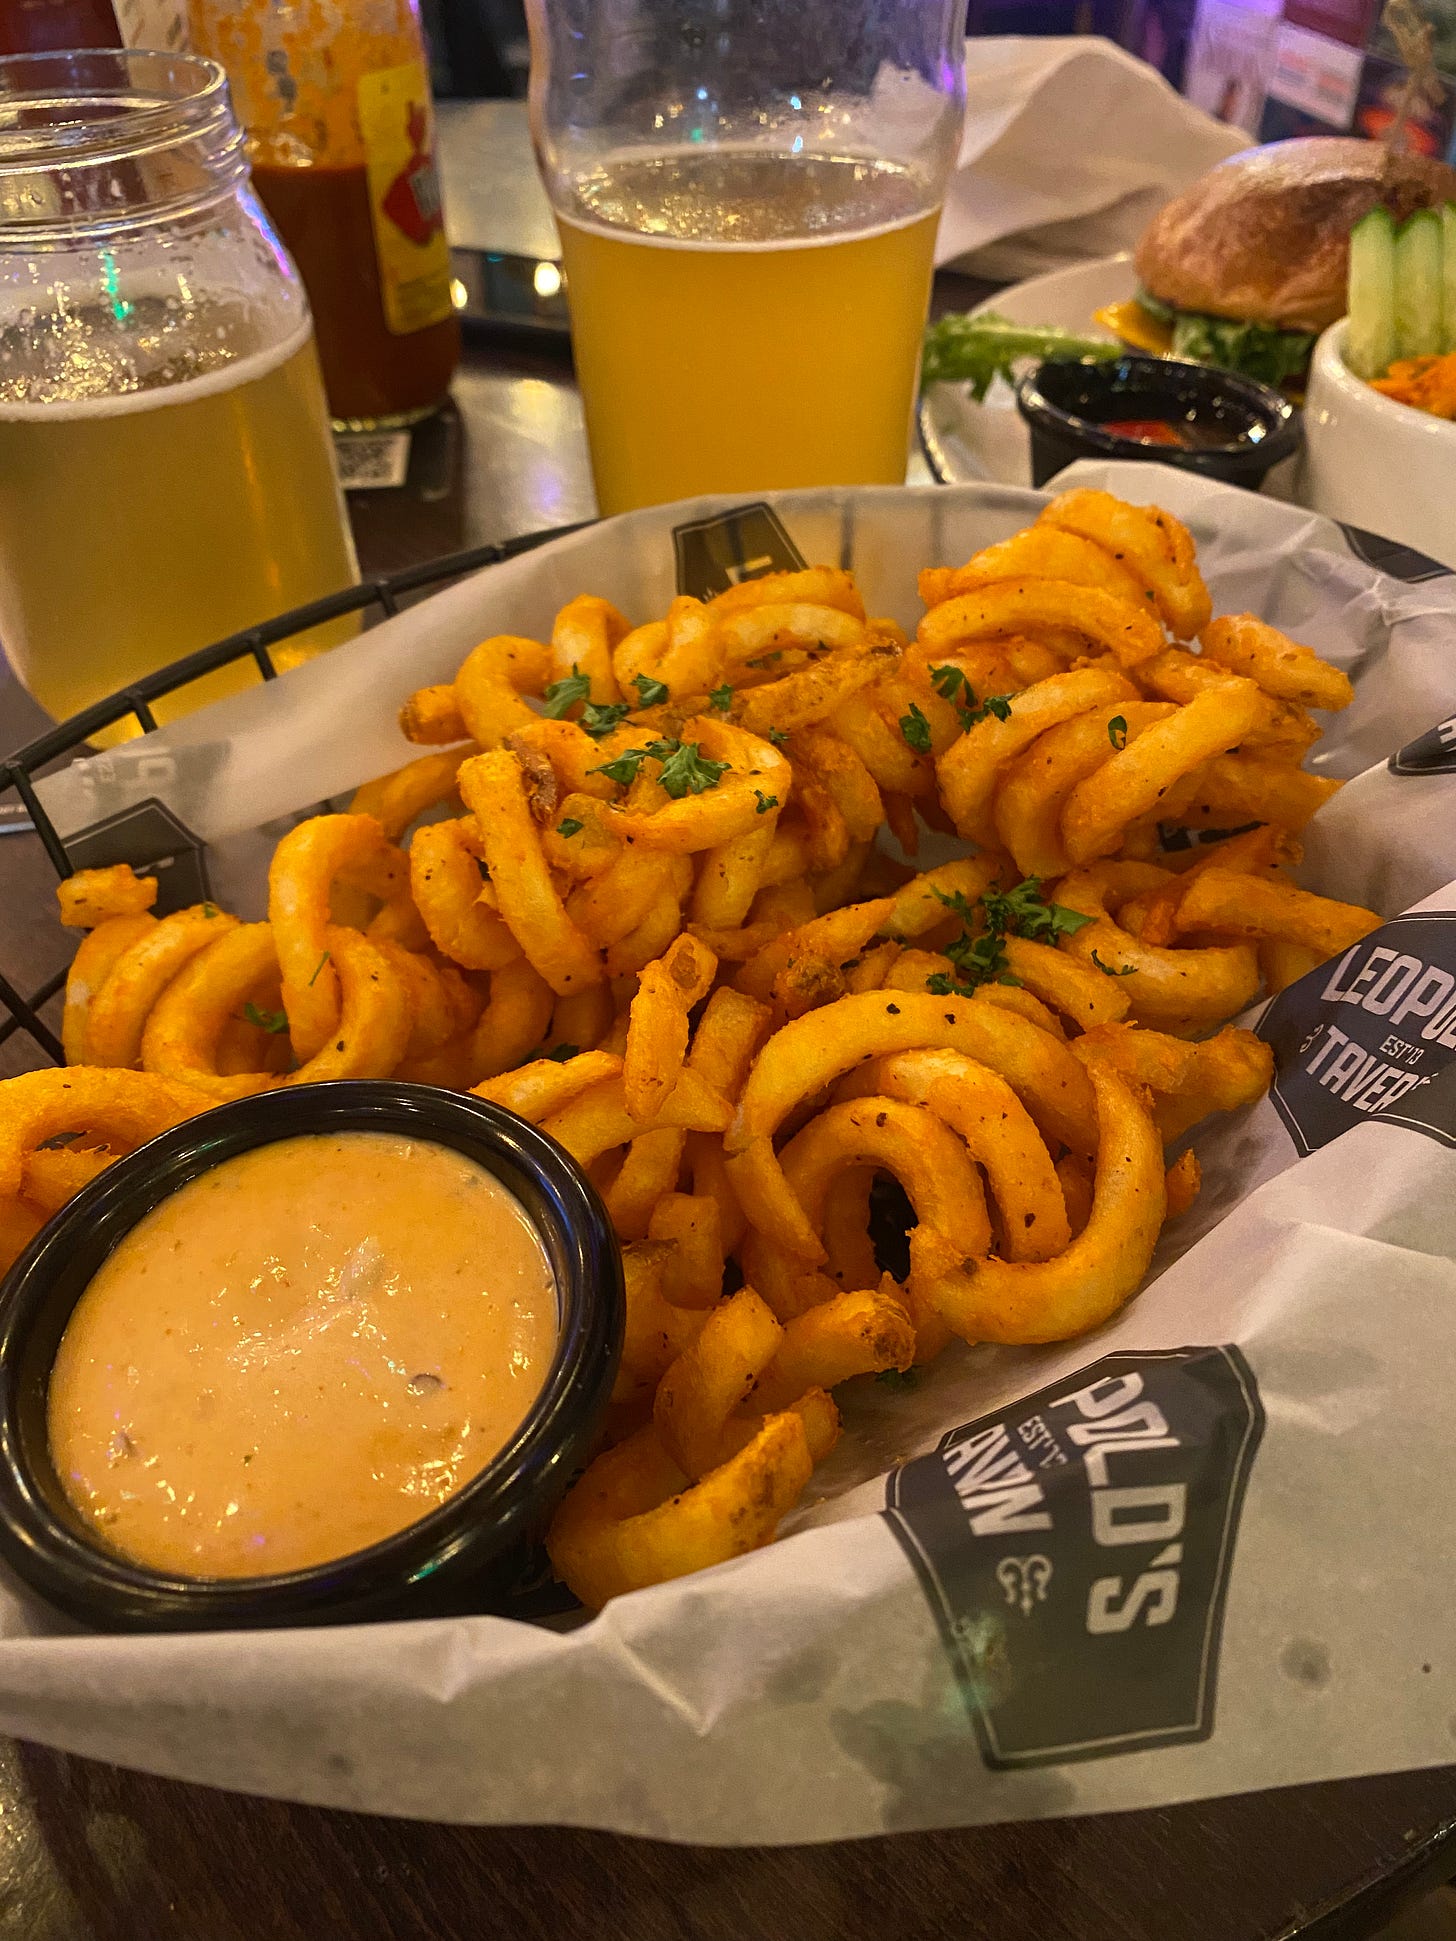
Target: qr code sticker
x: 371, y: 461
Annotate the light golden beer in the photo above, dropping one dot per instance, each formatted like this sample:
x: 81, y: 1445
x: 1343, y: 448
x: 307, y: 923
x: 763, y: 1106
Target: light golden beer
x: 137, y: 528
x: 746, y: 320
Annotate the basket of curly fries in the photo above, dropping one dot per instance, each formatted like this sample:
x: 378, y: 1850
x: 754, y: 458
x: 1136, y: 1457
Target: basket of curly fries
x: 905, y: 949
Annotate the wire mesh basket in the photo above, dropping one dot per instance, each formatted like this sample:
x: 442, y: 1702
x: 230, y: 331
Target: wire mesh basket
x: 377, y: 598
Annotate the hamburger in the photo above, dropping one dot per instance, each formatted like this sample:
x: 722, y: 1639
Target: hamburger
x: 1249, y: 264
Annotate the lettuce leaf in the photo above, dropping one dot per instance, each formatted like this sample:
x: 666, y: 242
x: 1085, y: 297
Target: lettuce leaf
x: 1254, y: 350
x: 974, y: 350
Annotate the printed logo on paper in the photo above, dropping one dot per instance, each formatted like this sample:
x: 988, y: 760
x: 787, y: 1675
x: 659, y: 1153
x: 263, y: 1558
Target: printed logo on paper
x: 1389, y: 556
x: 1075, y: 1550
x: 1370, y: 1035
x: 744, y: 544
x: 156, y: 843
x: 1433, y: 753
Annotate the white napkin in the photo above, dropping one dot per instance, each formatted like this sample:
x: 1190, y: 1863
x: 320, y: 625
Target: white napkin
x: 1070, y: 146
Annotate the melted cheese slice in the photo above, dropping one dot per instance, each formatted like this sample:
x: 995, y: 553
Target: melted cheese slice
x: 1138, y: 328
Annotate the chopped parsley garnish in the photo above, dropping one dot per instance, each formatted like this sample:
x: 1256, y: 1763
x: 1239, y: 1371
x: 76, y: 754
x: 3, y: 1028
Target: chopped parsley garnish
x: 778, y: 736
x: 956, y: 901
x: 980, y: 957
x: 565, y: 693
x: 653, y: 693
x: 274, y: 1021
x: 981, y: 960
x: 684, y: 770
x: 765, y: 802
x: 569, y: 826
x: 916, y: 730
x: 600, y: 717
x: 1022, y: 912
x: 1108, y: 970
x: 949, y: 681
x: 997, y: 704
x: 721, y: 699
x: 623, y: 768
x: 317, y: 968
x: 209, y: 909
x: 1117, y: 731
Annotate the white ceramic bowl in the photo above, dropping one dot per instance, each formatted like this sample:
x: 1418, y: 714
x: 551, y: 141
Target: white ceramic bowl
x: 1376, y: 463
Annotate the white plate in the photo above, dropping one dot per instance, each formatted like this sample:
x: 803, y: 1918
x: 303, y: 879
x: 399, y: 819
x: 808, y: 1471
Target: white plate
x: 965, y: 441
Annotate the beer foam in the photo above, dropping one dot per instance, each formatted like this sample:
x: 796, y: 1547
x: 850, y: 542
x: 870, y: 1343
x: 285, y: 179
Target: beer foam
x: 227, y: 377
x: 724, y: 245
x: 778, y: 201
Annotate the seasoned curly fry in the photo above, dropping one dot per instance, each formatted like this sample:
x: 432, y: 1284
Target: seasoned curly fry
x: 1126, y: 632
x: 1239, y: 905
x: 489, y: 686
x: 397, y: 800
x: 300, y: 878
x: 90, y: 896
x: 1150, y: 543
x: 55, y: 1174
x: 1278, y: 664
x: 1164, y: 987
x: 450, y: 896
x: 859, y: 1333
x: 432, y: 716
x: 969, y: 772
x: 182, y: 1034
x: 120, y: 1109
x: 648, y: 1173
x: 493, y: 786
x: 1039, y: 553
x: 998, y: 1300
x: 514, y: 1021
x: 657, y: 1030
x: 121, y: 1006
x: 632, y: 1520
x: 998, y: 1132
x: 583, y: 638
x: 90, y: 968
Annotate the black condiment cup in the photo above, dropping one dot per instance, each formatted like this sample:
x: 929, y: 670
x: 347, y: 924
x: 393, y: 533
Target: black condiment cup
x: 462, y: 1555
x: 1068, y: 405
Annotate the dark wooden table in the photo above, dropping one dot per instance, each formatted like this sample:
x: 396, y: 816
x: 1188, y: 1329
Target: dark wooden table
x: 91, y: 1853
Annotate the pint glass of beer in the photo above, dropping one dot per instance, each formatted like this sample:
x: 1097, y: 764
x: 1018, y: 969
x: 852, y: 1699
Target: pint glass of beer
x: 166, y: 468
x: 747, y: 193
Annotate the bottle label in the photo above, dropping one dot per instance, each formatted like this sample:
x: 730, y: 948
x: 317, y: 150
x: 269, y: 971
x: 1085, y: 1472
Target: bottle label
x: 404, y: 197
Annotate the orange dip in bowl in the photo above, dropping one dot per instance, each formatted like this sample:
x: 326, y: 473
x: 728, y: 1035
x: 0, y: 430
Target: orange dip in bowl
x: 299, y: 1353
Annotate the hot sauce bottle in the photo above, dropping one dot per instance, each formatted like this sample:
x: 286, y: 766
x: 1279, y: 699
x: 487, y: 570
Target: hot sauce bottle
x: 335, y: 96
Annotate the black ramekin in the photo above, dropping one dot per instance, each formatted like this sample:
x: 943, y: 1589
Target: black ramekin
x: 1067, y: 405
x: 462, y: 1555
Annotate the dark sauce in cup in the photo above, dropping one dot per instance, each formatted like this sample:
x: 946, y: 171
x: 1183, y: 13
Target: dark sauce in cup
x: 1182, y: 434
x: 1154, y: 408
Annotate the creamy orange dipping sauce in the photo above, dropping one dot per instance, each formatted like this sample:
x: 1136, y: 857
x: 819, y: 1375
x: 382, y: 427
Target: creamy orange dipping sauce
x: 301, y: 1352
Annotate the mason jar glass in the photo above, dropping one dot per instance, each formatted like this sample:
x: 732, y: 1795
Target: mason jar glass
x: 166, y: 468
x: 747, y: 193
